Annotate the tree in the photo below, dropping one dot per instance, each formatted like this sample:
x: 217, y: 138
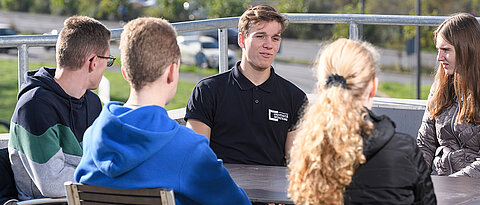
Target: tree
x: 225, y: 8
x: 64, y: 7
x: 16, y: 5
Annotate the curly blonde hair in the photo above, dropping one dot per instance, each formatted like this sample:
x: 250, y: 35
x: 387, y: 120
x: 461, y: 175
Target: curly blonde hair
x: 328, y: 146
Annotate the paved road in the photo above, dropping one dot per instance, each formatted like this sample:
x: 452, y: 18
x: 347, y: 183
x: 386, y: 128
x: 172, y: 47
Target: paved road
x: 303, y: 76
x: 299, y: 74
x: 40, y: 23
x: 309, y: 50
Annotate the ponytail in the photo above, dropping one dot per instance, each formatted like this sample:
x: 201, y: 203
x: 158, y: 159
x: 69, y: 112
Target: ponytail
x: 328, y: 148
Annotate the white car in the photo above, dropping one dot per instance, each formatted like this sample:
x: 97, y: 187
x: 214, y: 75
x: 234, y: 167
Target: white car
x: 202, y: 51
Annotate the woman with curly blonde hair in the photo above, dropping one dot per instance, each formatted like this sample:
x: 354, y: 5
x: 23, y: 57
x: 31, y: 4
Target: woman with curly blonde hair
x: 343, y: 153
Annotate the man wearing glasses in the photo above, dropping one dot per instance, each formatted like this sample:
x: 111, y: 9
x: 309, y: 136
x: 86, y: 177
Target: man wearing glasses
x: 55, y: 107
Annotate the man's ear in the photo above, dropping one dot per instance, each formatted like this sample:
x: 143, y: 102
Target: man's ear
x: 124, y: 74
x: 170, y: 72
x: 241, y: 40
x: 92, y: 63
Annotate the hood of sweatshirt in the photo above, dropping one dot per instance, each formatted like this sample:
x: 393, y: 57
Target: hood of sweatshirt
x: 75, y: 113
x: 42, y: 78
x: 122, y: 138
x: 384, y: 131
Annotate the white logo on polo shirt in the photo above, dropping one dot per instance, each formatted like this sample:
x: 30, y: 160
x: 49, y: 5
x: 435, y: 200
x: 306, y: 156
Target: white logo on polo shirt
x: 274, y: 115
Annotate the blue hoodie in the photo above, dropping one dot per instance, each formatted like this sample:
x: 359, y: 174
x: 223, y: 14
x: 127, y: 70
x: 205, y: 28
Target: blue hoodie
x: 144, y: 148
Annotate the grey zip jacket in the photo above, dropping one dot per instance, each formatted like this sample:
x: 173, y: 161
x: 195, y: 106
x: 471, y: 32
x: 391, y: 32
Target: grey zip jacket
x: 448, y: 148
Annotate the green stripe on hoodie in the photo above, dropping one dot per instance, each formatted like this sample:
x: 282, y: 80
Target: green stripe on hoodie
x: 42, y: 147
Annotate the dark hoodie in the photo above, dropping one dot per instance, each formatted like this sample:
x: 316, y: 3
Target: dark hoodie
x: 46, y: 133
x: 395, y: 171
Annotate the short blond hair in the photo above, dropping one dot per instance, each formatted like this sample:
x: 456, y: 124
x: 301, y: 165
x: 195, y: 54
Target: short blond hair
x: 328, y: 146
x: 148, y: 46
x: 80, y: 37
x: 259, y: 14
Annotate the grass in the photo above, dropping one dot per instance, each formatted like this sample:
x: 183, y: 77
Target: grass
x: 198, y: 70
x: 398, y: 90
x: 119, y: 88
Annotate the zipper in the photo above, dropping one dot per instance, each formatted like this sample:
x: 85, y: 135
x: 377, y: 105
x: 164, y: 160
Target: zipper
x: 460, y: 144
x: 452, y: 127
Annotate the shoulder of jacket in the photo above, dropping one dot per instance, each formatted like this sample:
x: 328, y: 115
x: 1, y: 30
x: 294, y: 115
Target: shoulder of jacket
x: 403, y: 142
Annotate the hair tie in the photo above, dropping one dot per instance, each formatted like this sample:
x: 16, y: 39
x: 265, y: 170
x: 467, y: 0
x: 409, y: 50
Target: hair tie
x: 336, y: 80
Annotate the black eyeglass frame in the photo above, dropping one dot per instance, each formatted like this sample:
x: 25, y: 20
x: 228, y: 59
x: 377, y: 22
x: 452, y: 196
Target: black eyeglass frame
x: 110, y: 60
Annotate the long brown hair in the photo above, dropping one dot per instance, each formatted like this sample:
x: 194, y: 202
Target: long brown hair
x: 463, y: 32
x: 328, y: 146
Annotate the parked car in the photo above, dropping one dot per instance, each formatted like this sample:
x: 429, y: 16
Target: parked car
x: 202, y: 51
x: 6, y: 30
x: 232, y: 36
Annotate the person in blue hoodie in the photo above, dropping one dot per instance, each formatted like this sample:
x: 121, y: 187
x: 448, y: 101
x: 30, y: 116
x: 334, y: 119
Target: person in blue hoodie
x: 137, y: 145
x: 55, y: 107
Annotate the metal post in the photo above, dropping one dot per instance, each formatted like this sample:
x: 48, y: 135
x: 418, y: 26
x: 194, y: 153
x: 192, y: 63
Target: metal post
x: 353, y: 31
x: 223, y: 49
x: 362, y: 11
x: 417, y: 51
x: 22, y: 63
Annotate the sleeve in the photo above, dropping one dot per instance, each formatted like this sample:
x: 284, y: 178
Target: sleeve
x: 201, y: 105
x: 427, y: 137
x: 472, y: 170
x: 299, y: 105
x: 423, y: 189
x: 37, y: 144
x: 205, y: 180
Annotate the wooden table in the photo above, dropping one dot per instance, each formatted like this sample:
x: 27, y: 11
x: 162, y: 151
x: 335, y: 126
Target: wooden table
x: 269, y: 184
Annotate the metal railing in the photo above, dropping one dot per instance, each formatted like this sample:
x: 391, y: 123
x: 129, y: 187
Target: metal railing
x: 23, y: 42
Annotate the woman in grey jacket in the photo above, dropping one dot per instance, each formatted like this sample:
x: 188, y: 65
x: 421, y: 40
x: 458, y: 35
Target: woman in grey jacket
x: 449, y: 136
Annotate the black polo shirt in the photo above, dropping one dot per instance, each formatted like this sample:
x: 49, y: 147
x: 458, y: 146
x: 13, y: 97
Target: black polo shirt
x: 249, y: 123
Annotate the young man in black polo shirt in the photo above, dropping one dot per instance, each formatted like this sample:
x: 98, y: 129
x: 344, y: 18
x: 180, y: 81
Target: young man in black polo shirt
x: 249, y: 112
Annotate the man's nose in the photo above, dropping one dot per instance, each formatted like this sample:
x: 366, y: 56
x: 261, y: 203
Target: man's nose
x: 268, y: 43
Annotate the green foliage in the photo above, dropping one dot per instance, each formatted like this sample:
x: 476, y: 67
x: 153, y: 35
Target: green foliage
x: 40, y: 6
x: 64, y: 7
x: 288, y: 6
x: 171, y: 10
x: 174, y: 11
x: 16, y: 5
x: 225, y: 8
x: 342, y: 30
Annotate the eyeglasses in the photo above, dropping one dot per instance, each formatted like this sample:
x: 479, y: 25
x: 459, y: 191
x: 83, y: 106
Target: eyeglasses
x: 110, y: 60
